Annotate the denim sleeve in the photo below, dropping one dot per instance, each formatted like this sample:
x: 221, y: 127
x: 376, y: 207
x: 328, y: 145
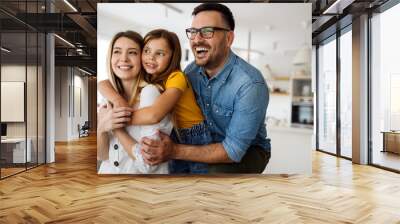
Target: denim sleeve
x: 247, y: 118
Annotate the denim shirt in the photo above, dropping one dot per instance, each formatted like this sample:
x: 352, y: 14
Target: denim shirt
x: 234, y: 103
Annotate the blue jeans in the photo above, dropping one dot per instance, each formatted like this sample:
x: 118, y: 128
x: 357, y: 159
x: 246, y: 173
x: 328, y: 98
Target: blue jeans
x: 196, y: 135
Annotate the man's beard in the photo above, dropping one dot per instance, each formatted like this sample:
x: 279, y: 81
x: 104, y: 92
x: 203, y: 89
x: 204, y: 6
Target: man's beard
x: 212, y: 61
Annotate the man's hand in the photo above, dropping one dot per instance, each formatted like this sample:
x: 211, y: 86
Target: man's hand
x: 157, y: 151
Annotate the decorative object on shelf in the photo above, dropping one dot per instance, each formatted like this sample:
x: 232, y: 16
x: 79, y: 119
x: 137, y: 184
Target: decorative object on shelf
x: 302, y: 59
x: 302, y: 56
x: 277, y: 84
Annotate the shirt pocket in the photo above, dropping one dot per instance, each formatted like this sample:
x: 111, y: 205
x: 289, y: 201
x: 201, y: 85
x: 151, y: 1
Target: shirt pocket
x: 222, y: 111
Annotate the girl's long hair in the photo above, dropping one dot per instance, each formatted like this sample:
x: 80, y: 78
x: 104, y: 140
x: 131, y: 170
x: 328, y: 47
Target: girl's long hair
x: 115, y: 81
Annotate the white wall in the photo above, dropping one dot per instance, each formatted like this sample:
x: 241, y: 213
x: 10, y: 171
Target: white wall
x: 33, y: 125
x: 280, y: 62
x: 108, y: 23
x: 67, y: 115
x: 61, y: 105
x: 15, y: 72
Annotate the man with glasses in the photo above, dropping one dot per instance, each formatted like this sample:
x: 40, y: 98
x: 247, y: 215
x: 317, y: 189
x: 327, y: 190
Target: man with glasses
x: 232, y: 95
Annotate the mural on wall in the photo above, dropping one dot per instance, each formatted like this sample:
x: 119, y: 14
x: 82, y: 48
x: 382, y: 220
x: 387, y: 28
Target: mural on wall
x: 173, y: 97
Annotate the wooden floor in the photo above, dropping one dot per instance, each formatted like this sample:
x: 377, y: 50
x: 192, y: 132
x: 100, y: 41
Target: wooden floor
x: 70, y: 191
x: 5, y: 172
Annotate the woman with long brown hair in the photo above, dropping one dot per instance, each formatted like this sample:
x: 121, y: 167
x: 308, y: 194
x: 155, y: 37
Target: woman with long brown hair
x: 117, y: 146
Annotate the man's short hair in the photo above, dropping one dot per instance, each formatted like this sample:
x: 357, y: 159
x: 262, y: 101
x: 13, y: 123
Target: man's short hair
x: 225, y: 12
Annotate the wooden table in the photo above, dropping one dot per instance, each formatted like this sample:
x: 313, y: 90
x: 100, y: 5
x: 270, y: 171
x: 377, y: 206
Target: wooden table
x: 391, y: 141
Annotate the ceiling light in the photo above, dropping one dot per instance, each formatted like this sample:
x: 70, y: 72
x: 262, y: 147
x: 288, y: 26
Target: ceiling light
x: 70, y: 5
x: 303, y: 56
x: 65, y: 41
x: 84, y: 71
x: 268, y: 27
x: 251, y: 50
x: 5, y: 50
x: 337, y: 7
x: 169, y: 6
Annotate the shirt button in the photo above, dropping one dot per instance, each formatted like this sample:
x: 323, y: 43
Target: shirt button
x: 210, y: 123
x: 115, y: 146
x: 207, y: 105
x: 116, y: 163
x: 216, y: 111
x: 209, y: 87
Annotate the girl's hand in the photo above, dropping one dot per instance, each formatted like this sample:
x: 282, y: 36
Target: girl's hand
x: 112, y: 118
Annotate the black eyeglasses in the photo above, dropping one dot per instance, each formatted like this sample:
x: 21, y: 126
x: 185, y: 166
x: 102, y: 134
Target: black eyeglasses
x: 205, y: 32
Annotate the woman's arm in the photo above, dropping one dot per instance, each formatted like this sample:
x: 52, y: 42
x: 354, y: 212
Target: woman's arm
x: 110, y: 119
x: 102, y: 136
x: 126, y: 141
x: 102, y: 146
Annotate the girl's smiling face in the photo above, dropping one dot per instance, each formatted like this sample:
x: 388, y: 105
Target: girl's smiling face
x: 156, y: 56
x: 125, y: 58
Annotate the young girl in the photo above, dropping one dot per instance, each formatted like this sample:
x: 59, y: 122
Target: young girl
x: 161, y: 59
x: 118, y: 151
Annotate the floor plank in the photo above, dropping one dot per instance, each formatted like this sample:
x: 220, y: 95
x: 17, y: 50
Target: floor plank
x: 70, y: 191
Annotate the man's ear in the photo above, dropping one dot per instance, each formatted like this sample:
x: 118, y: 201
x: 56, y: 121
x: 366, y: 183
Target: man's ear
x: 231, y: 36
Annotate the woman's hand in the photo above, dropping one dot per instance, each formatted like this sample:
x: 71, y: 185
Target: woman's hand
x: 112, y: 118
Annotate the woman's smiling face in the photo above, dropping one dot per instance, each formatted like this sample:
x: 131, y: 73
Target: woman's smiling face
x: 125, y: 58
x: 156, y: 56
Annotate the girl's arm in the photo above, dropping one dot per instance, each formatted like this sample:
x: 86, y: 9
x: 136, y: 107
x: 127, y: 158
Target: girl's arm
x: 156, y: 112
x: 148, y: 115
x: 108, y: 91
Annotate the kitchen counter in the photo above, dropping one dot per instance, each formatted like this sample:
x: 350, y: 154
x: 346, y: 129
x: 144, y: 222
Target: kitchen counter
x: 291, y: 150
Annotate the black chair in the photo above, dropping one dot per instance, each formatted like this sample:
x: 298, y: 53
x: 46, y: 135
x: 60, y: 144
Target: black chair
x: 84, y: 130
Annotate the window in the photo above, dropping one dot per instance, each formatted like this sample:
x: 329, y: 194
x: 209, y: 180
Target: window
x: 22, y: 65
x: 385, y: 88
x: 346, y: 94
x: 327, y: 97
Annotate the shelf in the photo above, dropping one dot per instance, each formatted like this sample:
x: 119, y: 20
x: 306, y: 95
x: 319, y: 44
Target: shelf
x: 279, y: 94
x: 302, y: 78
x: 281, y: 78
x: 301, y: 125
x: 302, y: 99
x: 302, y: 104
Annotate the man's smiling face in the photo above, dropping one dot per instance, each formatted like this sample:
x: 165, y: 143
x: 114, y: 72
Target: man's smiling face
x: 211, y: 53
